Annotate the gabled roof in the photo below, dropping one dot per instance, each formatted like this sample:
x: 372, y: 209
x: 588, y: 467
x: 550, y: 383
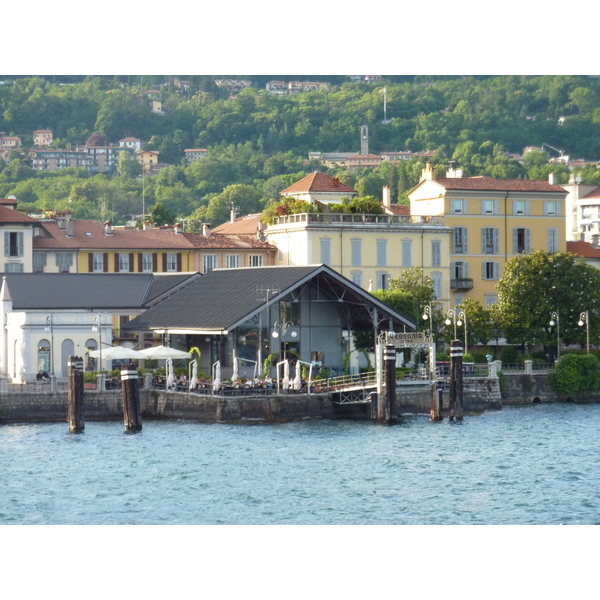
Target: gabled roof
x: 229, y: 297
x: 91, y: 291
x: 583, y: 249
x: 593, y: 194
x: 499, y: 185
x: 239, y: 241
x: 247, y: 224
x: 9, y: 215
x: 318, y: 182
x: 397, y: 209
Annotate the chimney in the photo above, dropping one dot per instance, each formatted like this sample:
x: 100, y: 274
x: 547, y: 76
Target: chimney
x: 427, y: 172
x: 69, y: 228
x: 147, y: 226
x: 61, y: 224
x: 232, y: 215
x: 108, y: 228
x: 552, y: 178
x: 336, y: 182
x: 177, y: 228
x: 387, y: 196
x: 206, y: 229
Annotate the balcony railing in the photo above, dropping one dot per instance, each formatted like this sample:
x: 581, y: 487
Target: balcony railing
x: 461, y: 284
x: 358, y: 219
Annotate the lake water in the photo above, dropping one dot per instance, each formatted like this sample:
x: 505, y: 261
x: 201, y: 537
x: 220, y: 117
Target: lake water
x: 536, y: 464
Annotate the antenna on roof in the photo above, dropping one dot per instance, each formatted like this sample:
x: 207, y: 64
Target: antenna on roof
x: 263, y: 293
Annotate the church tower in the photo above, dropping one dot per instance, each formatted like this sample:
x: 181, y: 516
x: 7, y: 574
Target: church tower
x: 364, y: 140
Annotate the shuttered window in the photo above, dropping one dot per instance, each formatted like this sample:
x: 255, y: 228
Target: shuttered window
x: 325, y: 244
x: 382, y: 253
x: 355, y: 246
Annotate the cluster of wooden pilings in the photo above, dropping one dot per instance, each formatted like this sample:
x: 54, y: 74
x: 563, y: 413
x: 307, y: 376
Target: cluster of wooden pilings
x: 384, y: 406
x: 132, y: 415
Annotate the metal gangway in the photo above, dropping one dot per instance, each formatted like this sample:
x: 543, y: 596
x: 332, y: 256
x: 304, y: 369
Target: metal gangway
x: 352, y: 389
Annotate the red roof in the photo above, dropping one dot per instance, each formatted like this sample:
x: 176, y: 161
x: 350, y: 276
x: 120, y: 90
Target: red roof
x: 248, y: 224
x: 583, y: 249
x: 487, y: 183
x: 397, y: 209
x: 9, y: 215
x: 593, y: 194
x: 318, y: 182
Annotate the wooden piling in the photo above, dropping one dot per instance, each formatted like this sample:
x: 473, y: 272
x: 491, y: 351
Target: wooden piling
x: 388, y: 407
x: 132, y: 415
x: 75, y: 414
x: 436, y: 403
x: 456, y: 381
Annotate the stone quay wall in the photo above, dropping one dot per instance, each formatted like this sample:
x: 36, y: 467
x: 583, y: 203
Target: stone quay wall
x: 523, y: 388
x: 154, y: 404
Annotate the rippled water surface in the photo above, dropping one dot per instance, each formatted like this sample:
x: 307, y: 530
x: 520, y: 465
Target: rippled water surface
x: 528, y: 465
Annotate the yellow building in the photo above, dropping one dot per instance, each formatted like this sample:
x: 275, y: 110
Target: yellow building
x: 491, y: 220
x: 147, y: 159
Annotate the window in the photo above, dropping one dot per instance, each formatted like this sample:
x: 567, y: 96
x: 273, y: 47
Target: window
x: 489, y: 240
x: 520, y: 240
x: 356, y: 277
x: 458, y: 206
x: 383, y: 281
x: 520, y: 207
x: 98, y: 262
x: 171, y: 261
x: 325, y: 251
x: 382, y: 253
x: 39, y: 262
x: 460, y: 269
x: 64, y: 260
x: 407, y: 253
x: 490, y: 270
x: 552, y: 239
x: 436, y: 278
x: 490, y: 299
x: 232, y: 261
x: 460, y: 240
x: 355, y: 246
x: 210, y: 262
x: 13, y: 243
x: 489, y: 207
x: 147, y: 262
x: 255, y: 260
x: 123, y: 263
x: 13, y: 267
x: 552, y: 209
x: 436, y: 253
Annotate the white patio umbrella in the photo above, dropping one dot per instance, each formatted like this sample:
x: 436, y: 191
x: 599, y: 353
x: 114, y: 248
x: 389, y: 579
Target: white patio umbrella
x: 298, y: 379
x: 217, y: 376
x: 170, y: 373
x: 117, y: 353
x: 162, y: 353
x: 285, y: 384
x: 194, y: 378
x: 235, y: 375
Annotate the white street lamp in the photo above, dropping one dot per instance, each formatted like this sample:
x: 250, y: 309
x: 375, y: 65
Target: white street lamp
x: 555, y: 320
x: 451, y: 318
x: 584, y: 317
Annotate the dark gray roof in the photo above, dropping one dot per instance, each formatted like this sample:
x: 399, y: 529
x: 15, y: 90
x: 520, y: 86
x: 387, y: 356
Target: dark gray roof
x: 93, y: 291
x: 224, y: 298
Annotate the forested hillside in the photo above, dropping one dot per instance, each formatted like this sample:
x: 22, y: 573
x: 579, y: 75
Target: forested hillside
x: 258, y: 143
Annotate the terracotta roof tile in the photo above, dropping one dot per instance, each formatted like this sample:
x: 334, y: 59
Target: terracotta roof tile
x: 9, y: 215
x: 318, y: 182
x: 224, y: 241
x: 489, y: 184
x: 593, y: 194
x: 583, y: 249
x: 247, y: 224
x: 397, y: 209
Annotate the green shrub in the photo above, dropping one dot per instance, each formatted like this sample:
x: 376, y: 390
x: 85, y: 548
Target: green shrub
x: 90, y: 376
x: 442, y: 356
x: 509, y: 355
x: 479, y: 356
x: 576, y: 373
x: 502, y: 381
x: 468, y: 358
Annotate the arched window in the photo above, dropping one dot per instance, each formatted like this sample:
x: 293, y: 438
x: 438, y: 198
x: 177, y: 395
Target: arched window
x: 43, y: 356
x: 90, y: 363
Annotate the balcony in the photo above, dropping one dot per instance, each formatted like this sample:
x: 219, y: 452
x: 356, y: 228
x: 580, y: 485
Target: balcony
x: 461, y: 284
x: 343, y: 219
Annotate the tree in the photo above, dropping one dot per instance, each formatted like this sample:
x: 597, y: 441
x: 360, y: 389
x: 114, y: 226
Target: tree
x: 161, y: 215
x: 127, y: 166
x: 413, y: 281
x: 537, y: 284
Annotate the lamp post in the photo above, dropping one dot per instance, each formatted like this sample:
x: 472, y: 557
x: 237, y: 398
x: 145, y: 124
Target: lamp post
x: 280, y: 329
x: 97, y: 328
x: 462, y: 316
x: 451, y: 317
x: 427, y: 314
x: 50, y: 327
x: 555, y: 320
x: 584, y: 317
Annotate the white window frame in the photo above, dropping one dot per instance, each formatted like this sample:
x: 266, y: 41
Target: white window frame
x: 232, y: 261
x: 171, y: 262
x: 460, y: 269
x: 255, y: 260
x: 209, y: 262
x: 147, y: 262
x: 123, y: 262
x: 458, y: 206
x: 97, y: 262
